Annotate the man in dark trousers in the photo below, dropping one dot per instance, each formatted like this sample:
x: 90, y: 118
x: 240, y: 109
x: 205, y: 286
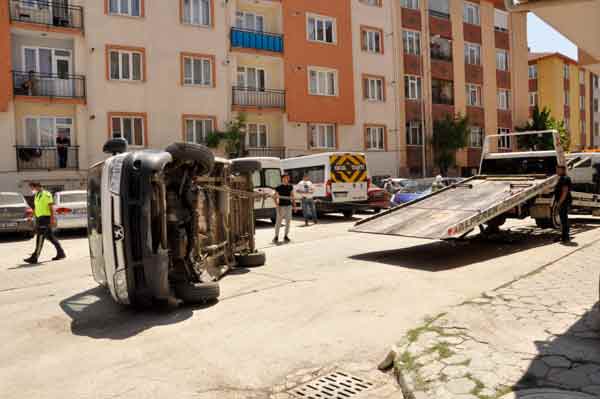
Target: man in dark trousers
x: 284, y: 198
x: 44, y: 220
x: 62, y: 149
x: 563, y: 199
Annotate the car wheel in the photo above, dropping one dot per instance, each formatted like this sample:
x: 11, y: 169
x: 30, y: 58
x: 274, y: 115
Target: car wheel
x: 193, y: 152
x: 348, y: 214
x: 197, y: 293
x: 252, y: 259
x: 376, y: 210
x: 245, y: 166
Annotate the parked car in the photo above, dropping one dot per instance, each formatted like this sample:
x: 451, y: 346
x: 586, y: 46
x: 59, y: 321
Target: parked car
x: 16, y: 216
x: 70, y: 208
x: 163, y: 226
x: 411, y: 191
x: 378, y: 199
x: 392, y: 185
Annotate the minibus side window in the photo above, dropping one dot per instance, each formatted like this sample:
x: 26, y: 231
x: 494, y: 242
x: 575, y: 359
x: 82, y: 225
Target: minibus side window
x: 272, y: 177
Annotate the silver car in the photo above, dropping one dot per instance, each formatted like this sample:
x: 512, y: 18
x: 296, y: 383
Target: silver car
x: 15, y: 214
x: 70, y: 208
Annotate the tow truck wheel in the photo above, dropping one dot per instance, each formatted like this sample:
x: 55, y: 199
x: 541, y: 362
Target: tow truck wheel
x: 198, y: 293
x: 195, y: 153
x: 252, y: 259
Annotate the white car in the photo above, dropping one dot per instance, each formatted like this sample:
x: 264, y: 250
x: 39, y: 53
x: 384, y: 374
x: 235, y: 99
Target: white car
x: 70, y: 209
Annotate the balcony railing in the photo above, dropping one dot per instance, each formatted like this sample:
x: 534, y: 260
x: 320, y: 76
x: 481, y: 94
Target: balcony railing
x: 48, y: 85
x: 277, y: 152
x: 46, y: 13
x: 252, y: 97
x: 441, y: 56
x: 444, y: 100
x: 257, y: 40
x: 439, y: 14
x: 47, y: 158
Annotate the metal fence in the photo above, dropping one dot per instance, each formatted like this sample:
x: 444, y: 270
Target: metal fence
x: 48, y: 85
x: 246, y: 96
x: 49, y: 13
x: 47, y: 158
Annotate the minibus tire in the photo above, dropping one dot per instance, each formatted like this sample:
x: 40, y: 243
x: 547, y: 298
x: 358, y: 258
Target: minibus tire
x: 198, y: 293
x: 193, y: 152
x: 245, y: 166
x: 253, y: 259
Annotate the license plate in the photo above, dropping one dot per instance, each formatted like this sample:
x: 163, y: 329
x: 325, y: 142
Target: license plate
x: 80, y: 211
x: 7, y: 225
x: 341, y: 195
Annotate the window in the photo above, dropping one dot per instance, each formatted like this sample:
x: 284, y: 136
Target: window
x: 439, y: 8
x: 372, y: 40
x: 596, y: 81
x: 412, y: 4
x: 197, y: 70
x: 322, y: 82
x: 256, y: 135
x: 503, y: 142
x: 441, y: 49
x: 567, y: 102
x: 500, y: 20
x: 596, y: 129
x: 376, y: 3
x: 321, y: 29
x: 476, y: 137
x: 472, y: 53
x: 126, y: 64
x: 414, y: 133
x: 442, y: 92
x: 474, y: 95
x: 131, y: 8
x: 412, y: 87
x: 504, y: 99
x: 130, y: 127
x: 198, y: 128
x: 471, y: 13
x: 375, y: 136
x: 322, y: 135
x: 502, y: 60
x: 581, y: 77
x: 566, y: 71
x: 412, y: 42
x: 582, y: 127
x: 42, y: 131
x: 249, y: 21
x: 374, y: 88
x: 533, y: 71
x: 582, y: 103
x: 533, y: 98
x: 251, y: 78
x: 197, y: 12
x: 595, y: 105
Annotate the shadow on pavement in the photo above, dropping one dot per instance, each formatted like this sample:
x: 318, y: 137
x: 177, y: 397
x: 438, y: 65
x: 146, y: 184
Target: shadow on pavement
x: 94, y: 314
x: 569, y: 363
x: 323, y: 219
x: 443, y: 255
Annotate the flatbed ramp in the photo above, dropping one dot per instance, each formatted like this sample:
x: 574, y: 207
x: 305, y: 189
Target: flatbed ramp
x: 455, y: 210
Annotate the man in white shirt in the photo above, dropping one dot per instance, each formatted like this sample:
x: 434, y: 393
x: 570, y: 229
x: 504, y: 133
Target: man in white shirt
x: 305, y: 190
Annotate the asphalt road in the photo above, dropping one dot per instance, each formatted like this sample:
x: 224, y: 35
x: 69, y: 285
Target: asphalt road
x: 327, y: 298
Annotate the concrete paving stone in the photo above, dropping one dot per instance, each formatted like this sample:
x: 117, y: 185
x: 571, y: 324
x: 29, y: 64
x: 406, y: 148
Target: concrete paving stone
x: 587, y: 369
x: 595, y: 378
x: 592, y: 389
x: 431, y: 371
x: 459, y: 358
x: 453, y: 340
x: 460, y: 386
x: 481, y: 362
x: 556, y: 361
x: 428, y: 358
x: 538, y: 369
x: 455, y: 371
x: 569, y: 378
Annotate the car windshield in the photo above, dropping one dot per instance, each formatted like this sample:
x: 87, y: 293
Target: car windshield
x: 11, y: 199
x: 415, y: 187
x: 73, y: 197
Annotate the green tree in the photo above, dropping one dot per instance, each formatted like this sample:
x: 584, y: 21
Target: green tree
x: 231, y: 137
x: 449, y: 135
x: 542, y: 120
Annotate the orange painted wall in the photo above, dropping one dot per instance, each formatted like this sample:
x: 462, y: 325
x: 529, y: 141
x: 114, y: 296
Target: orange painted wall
x: 5, y: 65
x: 299, y: 53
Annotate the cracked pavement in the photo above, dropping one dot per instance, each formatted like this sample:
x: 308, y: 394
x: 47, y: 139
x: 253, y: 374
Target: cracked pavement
x: 536, y: 337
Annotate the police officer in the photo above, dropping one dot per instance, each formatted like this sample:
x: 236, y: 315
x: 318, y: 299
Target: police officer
x: 563, y: 199
x: 44, y: 219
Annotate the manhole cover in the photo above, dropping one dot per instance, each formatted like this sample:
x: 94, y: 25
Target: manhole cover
x: 336, y: 385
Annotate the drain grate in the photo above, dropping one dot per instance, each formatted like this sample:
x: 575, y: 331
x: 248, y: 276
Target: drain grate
x: 336, y: 385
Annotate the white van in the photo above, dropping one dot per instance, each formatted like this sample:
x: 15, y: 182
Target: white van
x: 582, y: 167
x: 341, y: 179
x: 265, y: 181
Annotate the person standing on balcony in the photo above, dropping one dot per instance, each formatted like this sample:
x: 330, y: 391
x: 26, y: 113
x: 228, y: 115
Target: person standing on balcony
x: 44, y: 221
x: 31, y: 84
x: 284, y: 198
x: 62, y: 149
x: 306, y: 191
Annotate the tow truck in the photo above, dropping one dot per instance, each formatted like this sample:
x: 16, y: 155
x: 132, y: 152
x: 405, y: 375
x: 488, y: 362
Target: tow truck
x: 509, y: 185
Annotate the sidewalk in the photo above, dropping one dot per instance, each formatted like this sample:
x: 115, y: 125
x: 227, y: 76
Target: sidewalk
x: 536, y: 337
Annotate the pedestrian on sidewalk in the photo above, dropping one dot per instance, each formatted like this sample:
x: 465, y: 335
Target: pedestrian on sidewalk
x: 44, y: 221
x: 563, y: 199
x: 306, y: 190
x: 284, y: 198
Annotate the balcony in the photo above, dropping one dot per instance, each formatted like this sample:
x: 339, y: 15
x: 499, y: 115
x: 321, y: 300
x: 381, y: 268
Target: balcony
x: 252, y: 97
x: 34, y: 84
x: 257, y: 40
x: 47, y: 158
x: 277, y: 152
x: 441, y: 55
x: 46, y: 13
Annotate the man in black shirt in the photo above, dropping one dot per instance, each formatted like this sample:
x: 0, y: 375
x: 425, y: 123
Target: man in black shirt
x: 62, y: 148
x: 563, y: 199
x: 284, y: 198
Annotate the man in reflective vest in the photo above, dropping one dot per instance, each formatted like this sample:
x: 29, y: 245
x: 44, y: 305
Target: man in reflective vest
x: 44, y: 220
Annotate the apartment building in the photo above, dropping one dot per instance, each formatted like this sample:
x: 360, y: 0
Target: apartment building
x: 348, y: 75
x: 559, y: 83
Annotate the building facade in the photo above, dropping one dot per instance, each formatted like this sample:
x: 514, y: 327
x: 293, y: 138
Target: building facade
x: 346, y: 75
x: 566, y: 89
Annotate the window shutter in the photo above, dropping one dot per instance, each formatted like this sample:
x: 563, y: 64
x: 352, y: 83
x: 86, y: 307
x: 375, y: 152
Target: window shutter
x: 365, y: 88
